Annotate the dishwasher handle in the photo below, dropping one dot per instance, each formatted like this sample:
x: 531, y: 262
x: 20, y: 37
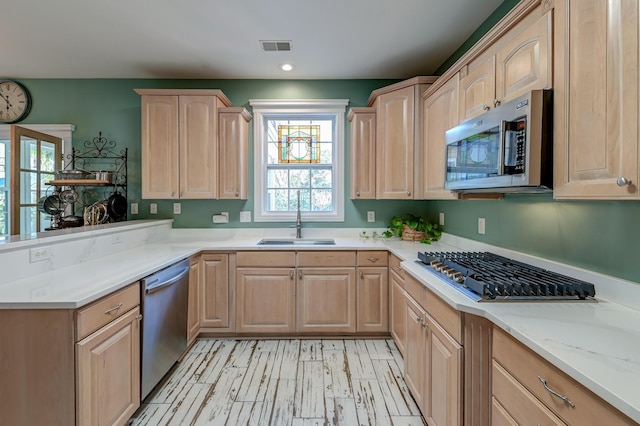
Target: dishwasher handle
x: 157, y: 286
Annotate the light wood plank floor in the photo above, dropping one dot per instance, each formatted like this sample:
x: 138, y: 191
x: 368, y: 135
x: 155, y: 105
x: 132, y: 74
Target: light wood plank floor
x: 284, y: 382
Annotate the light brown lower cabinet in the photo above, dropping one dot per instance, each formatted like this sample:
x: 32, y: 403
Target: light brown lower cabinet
x: 108, y: 372
x: 433, y: 364
x: 326, y: 300
x: 372, y: 297
x: 519, y: 393
x: 215, y: 293
x: 193, y: 317
x: 265, y: 300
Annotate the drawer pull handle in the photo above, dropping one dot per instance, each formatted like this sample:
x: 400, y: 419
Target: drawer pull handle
x: 372, y: 259
x: 556, y: 394
x: 115, y: 308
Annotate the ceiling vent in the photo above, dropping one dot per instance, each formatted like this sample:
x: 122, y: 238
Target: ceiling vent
x: 275, y: 45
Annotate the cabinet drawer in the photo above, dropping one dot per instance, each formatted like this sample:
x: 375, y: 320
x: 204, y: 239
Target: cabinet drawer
x: 326, y: 258
x: 105, y: 310
x: 394, y: 265
x: 372, y: 258
x: 266, y: 258
x: 525, y: 366
x: 517, y: 401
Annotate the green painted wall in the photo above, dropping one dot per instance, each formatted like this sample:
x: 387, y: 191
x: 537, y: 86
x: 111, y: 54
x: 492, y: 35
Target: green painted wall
x: 601, y: 236
x: 111, y: 106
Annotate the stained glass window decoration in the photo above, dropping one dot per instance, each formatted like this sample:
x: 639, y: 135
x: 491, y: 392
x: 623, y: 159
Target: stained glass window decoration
x: 298, y: 144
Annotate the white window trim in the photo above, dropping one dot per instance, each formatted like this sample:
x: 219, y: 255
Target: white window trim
x: 62, y: 131
x: 309, y: 106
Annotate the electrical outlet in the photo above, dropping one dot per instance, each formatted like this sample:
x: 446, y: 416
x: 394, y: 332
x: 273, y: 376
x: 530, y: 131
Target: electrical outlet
x: 245, y: 216
x: 153, y: 208
x: 481, y: 225
x: 39, y: 253
x: 134, y: 208
x: 371, y: 216
x: 441, y: 221
x: 177, y: 208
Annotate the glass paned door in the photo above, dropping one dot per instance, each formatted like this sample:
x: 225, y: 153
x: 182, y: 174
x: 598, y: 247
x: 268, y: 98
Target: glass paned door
x: 36, y: 157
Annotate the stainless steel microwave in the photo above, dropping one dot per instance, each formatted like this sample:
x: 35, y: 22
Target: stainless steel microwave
x: 508, y: 149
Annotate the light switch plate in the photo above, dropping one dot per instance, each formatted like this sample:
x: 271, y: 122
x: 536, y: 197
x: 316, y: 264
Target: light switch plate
x: 134, y: 208
x: 481, y: 225
x: 441, y: 221
x: 177, y: 208
x: 371, y: 216
x: 153, y: 208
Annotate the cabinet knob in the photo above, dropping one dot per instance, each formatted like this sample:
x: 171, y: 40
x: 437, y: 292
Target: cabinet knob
x: 486, y: 107
x: 408, y: 194
x: 622, y: 181
x: 418, y: 319
x: 173, y: 194
x: 357, y: 193
x: 237, y: 194
x: 291, y: 274
x: 423, y: 323
x: 361, y: 274
x: 139, y: 318
x: 496, y: 103
x: 300, y: 274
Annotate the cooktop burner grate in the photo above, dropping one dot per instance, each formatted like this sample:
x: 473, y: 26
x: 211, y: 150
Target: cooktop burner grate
x: 485, y: 276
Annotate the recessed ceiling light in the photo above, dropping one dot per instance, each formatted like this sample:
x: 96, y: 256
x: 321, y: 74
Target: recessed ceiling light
x: 286, y: 67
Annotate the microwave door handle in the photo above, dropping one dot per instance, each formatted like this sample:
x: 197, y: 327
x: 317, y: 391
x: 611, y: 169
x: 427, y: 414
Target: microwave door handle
x: 503, y: 146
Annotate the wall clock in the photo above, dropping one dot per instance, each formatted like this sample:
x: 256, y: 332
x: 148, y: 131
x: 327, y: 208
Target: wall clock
x: 15, y: 101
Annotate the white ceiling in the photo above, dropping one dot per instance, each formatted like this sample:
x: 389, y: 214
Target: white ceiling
x: 212, y: 39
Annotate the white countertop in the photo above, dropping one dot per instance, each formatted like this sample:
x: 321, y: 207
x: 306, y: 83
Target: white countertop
x: 598, y: 344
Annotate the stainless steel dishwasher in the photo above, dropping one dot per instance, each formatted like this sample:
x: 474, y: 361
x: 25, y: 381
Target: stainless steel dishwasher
x: 164, y: 322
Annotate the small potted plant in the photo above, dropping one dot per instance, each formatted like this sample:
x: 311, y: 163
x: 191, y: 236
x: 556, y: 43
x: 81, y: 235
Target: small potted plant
x: 410, y: 227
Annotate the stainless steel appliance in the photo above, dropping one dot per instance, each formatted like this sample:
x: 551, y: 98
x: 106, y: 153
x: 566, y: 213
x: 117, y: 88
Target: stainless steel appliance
x: 164, y: 322
x: 505, y: 150
x: 486, y: 277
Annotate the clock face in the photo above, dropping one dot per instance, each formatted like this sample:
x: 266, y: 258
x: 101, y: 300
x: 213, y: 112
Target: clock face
x: 15, y: 101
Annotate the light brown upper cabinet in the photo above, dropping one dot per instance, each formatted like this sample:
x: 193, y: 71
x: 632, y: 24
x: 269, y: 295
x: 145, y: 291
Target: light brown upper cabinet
x: 181, y: 139
x: 596, y: 99
x: 440, y: 114
x: 519, y: 61
x: 363, y: 152
x: 234, y: 153
x: 398, y: 136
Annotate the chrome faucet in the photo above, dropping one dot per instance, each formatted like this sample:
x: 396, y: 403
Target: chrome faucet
x: 298, y: 220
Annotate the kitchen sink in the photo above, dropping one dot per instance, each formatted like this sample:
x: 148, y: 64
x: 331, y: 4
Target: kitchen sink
x: 297, y: 242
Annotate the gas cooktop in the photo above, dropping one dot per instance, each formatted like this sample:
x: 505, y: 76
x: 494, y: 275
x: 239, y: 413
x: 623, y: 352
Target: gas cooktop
x: 485, y: 277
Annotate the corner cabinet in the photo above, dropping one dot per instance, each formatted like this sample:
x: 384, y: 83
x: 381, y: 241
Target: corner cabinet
x: 398, y: 136
x: 440, y: 114
x: 181, y: 145
x: 596, y: 100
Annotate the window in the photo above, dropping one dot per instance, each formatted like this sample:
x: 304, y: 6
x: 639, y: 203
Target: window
x: 299, y: 154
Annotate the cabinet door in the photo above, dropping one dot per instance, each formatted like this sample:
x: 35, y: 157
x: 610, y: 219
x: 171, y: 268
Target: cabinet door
x: 395, y: 144
x: 159, y: 149
x: 477, y: 87
x: 198, y: 147
x: 440, y: 114
x: 234, y: 153
x: 398, y: 315
x: 215, y: 291
x: 524, y: 62
x: 443, y: 379
x: 326, y: 300
x: 108, y: 372
x: 363, y: 153
x: 193, y: 318
x: 265, y: 301
x: 414, y: 355
x: 372, y: 294
x: 596, y: 99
